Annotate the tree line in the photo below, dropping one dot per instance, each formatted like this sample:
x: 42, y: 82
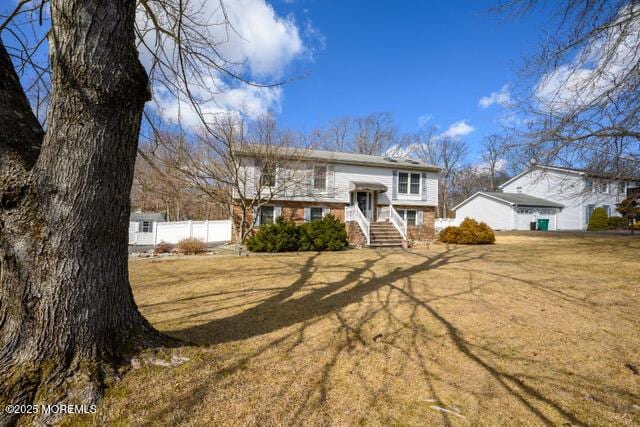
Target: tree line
x: 195, y: 176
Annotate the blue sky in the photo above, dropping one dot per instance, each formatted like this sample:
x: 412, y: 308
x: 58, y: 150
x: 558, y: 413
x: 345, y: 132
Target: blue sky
x: 433, y: 60
x: 410, y: 58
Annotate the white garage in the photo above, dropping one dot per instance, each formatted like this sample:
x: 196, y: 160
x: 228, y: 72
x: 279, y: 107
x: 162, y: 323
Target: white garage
x: 508, y: 211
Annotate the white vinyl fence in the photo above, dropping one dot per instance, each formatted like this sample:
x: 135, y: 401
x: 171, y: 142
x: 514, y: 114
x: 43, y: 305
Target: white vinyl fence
x: 173, y: 232
x: 442, y: 223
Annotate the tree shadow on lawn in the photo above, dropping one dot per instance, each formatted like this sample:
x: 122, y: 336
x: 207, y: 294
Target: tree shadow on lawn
x: 284, y: 309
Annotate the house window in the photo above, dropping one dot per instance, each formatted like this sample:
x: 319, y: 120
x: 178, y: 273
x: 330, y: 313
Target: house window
x: 518, y: 189
x: 266, y: 215
x: 320, y: 178
x: 408, y: 215
x: 622, y: 187
x: 268, y: 175
x: 602, y: 187
x: 145, y: 227
x: 414, y: 188
x: 408, y: 183
x: 607, y: 209
x: 315, y: 214
x: 588, y: 185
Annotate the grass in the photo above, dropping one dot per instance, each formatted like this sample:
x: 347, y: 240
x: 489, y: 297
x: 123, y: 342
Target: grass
x: 532, y: 330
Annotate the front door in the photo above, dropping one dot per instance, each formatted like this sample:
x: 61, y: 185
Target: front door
x: 362, y: 198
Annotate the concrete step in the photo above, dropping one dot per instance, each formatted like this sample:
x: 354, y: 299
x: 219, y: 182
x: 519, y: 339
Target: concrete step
x: 394, y: 236
x: 382, y: 230
x: 386, y: 243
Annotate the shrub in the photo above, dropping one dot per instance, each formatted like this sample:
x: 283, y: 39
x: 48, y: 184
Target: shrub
x: 599, y: 220
x: 636, y: 226
x: 327, y: 234
x: 282, y: 236
x: 470, y: 232
x: 617, y: 223
x: 190, y: 245
x: 163, y: 247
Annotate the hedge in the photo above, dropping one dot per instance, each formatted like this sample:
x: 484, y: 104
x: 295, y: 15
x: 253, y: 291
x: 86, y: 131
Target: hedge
x: 327, y: 234
x: 599, y: 220
x: 618, y: 223
x: 470, y: 232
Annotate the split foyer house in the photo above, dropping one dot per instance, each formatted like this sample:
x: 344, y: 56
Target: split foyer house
x: 382, y: 200
x: 564, y: 196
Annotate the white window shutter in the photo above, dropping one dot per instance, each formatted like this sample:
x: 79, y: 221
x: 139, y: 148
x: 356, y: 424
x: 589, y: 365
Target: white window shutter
x: 326, y: 211
x: 277, y: 212
x: 394, y: 185
x: 419, y: 217
x: 307, y: 214
x: 423, y: 179
x: 331, y: 180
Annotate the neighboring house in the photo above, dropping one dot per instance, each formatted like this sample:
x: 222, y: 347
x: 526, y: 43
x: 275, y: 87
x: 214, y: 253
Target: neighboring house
x: 141, y: 227
x: 383, y: 200
x: 564, y: 196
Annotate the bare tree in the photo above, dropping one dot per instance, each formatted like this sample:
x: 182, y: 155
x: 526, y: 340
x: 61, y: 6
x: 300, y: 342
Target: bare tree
x: 492, y: 156
x: 584, y: 109
x: 67, y: 314
x: 241, y: 165
x: 158, y: 187
x: 337, y: 135
x: 446, y: 152
x: 374, y: 134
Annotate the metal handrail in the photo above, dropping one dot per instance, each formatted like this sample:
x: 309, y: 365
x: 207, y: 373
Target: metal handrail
x: 353, y: 213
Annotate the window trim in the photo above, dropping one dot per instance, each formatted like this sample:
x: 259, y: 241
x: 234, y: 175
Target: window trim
x: 403, y: 214
x: 622, y: 187
x: 262, y: 175
x: 273, y: 214
x: 142, y: 227
x: 326, y: 178
x: 409, y: 175
x: 311, y: 208
x: 589, y: 185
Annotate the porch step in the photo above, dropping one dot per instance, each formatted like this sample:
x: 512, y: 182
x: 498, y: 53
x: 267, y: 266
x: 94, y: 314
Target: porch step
x: 385, y: 243
x: 384, y: 234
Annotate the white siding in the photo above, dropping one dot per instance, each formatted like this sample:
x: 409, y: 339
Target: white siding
x: 525, y: 215
x: 566, y: 189
x: 346, y: 173
x: 498, y: 215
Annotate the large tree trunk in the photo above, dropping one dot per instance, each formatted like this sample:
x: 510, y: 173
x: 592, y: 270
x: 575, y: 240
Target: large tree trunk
x: 67, y: 314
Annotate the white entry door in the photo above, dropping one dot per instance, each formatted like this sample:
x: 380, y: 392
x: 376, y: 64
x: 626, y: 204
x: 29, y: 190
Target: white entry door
x: 364, y: 202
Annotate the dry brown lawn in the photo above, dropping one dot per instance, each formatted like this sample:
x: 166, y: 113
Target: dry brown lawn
x: 532, y: 330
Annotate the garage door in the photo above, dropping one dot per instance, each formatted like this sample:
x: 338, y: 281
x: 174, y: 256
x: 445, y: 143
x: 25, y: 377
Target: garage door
x: 526, y: 215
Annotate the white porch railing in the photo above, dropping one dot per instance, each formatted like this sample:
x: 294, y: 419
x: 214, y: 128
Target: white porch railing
x: 353, y: 213
x: 398, y: 221
x: 383, y: 214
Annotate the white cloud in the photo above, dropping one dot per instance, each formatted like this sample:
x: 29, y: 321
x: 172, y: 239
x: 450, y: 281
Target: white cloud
x: 458, y: 129
x: 266, y: 41
x: 594, y: 71
x: 249, y: 100
x: 424, y: 119
x: 258, y: 45
x: 502, y: 98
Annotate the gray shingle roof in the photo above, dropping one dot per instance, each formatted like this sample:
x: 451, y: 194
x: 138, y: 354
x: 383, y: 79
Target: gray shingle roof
x: 522, y: 199
x: 350, y: 158
x: 147, y: 216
